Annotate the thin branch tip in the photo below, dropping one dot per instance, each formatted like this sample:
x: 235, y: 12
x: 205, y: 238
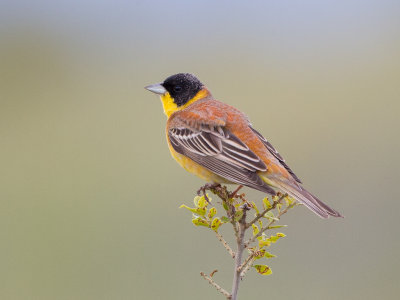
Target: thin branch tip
x: 225, y: 244
x: 216, y: 285
x: 272, y: 221
x: 262, y: 214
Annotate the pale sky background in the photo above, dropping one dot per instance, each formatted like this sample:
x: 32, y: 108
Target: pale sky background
x: 89, y: 194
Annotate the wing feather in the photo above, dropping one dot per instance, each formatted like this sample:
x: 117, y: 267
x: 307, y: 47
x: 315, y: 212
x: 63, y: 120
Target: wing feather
x: 276, y: 154
x: 220, y: 151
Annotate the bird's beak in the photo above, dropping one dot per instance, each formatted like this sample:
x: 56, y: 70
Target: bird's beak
x: 156, y: 88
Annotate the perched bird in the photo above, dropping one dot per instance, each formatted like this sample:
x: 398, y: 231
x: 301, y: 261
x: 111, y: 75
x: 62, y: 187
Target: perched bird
x: 218, y: 143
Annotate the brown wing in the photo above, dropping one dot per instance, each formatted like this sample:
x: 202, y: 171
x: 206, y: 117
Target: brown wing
x: 276, y: 154
x: 220, y: 151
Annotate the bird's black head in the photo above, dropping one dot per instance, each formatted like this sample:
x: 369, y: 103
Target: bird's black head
x: 182, y: 87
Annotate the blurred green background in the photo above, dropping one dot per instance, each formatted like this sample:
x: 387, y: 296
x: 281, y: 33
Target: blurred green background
x: 89, y: 194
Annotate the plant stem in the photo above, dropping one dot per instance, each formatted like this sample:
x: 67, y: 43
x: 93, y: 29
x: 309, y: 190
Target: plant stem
x: 252, y: 239
x: 246, y: 261
x: 225, y: 244
x: 238, y: 256
x: 262, y: 214
x: 214, y: 284
x: 248, y: 266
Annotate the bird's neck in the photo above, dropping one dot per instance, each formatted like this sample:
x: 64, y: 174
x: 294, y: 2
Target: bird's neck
x: 170, y: 106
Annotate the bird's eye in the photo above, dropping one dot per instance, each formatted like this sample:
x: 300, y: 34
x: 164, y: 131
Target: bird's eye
x: 177, y: 88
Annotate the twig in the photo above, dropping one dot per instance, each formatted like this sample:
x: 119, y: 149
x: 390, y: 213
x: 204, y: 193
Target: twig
x: 231, y: 214
x: 217, y: 286
x: 233, y: 194
x: 224, y: 195
x: 233, y: 222
x: 262, y: 214
x: 248, y: 266
x: 244, y: 264
x: 225, y: 244
x: 239, y: 253
x: 213, y: 272
x: 252, y: 239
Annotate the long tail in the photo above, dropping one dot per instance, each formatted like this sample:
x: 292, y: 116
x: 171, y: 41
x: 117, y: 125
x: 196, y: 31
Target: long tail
x: 306, y: 198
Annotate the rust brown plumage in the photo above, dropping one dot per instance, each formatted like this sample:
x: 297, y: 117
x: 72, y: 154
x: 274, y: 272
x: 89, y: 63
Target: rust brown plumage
x: 218, y: 143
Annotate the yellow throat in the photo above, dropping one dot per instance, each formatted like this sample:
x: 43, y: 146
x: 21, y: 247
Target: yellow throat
x: 170, y: 106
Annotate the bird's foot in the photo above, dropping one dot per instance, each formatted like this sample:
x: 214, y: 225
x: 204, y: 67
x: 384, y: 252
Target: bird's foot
x: 207, y: 186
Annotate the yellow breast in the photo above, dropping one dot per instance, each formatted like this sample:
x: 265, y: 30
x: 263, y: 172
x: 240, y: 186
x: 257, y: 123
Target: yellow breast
x: 194, y: 168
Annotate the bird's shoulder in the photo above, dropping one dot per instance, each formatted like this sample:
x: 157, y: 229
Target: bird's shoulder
x: 207, y: 112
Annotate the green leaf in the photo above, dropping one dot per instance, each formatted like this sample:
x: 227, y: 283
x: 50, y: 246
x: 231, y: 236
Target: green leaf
x: 201, y: 202
x: 200, y: 222
x: 238, y: 215
x: 215, y: 224
x: 275, y: 238
x: 277, y: 226
x: 264, y: 243
x: 263, y: 269
x: 260, y: 254
x: 289, y: 200
x: 268, y: 255
x: 255, y: 229
x: 279, y: 206
x: 196, y: 201
x: 255, y: 207
x: 212, y: 212
x: 262, y: 237
x: 193, y: 210
x: 270, y: 215
x: 201, y: 211
x: 225, y: 219
x: 224, y: 205
x: 198, y: 211
x: 266, y: 203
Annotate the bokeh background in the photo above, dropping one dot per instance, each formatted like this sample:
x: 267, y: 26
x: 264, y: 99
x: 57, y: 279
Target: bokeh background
x: 89, y: 194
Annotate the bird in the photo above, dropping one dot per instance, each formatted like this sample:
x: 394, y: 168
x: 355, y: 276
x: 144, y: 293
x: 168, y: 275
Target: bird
x: 217, y: 142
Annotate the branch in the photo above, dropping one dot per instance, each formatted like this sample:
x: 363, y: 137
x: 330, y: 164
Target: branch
x: 248, y: 266
x: 262, y: 214
x: 225, y: 244
x: 248, y: 259
x: 252, y: 239
x: 236, y: 209
x: 239, y: 252
x: 214, y: 284
x: 234, y: 193
x: 224, y: 195
x: 231, y: 215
